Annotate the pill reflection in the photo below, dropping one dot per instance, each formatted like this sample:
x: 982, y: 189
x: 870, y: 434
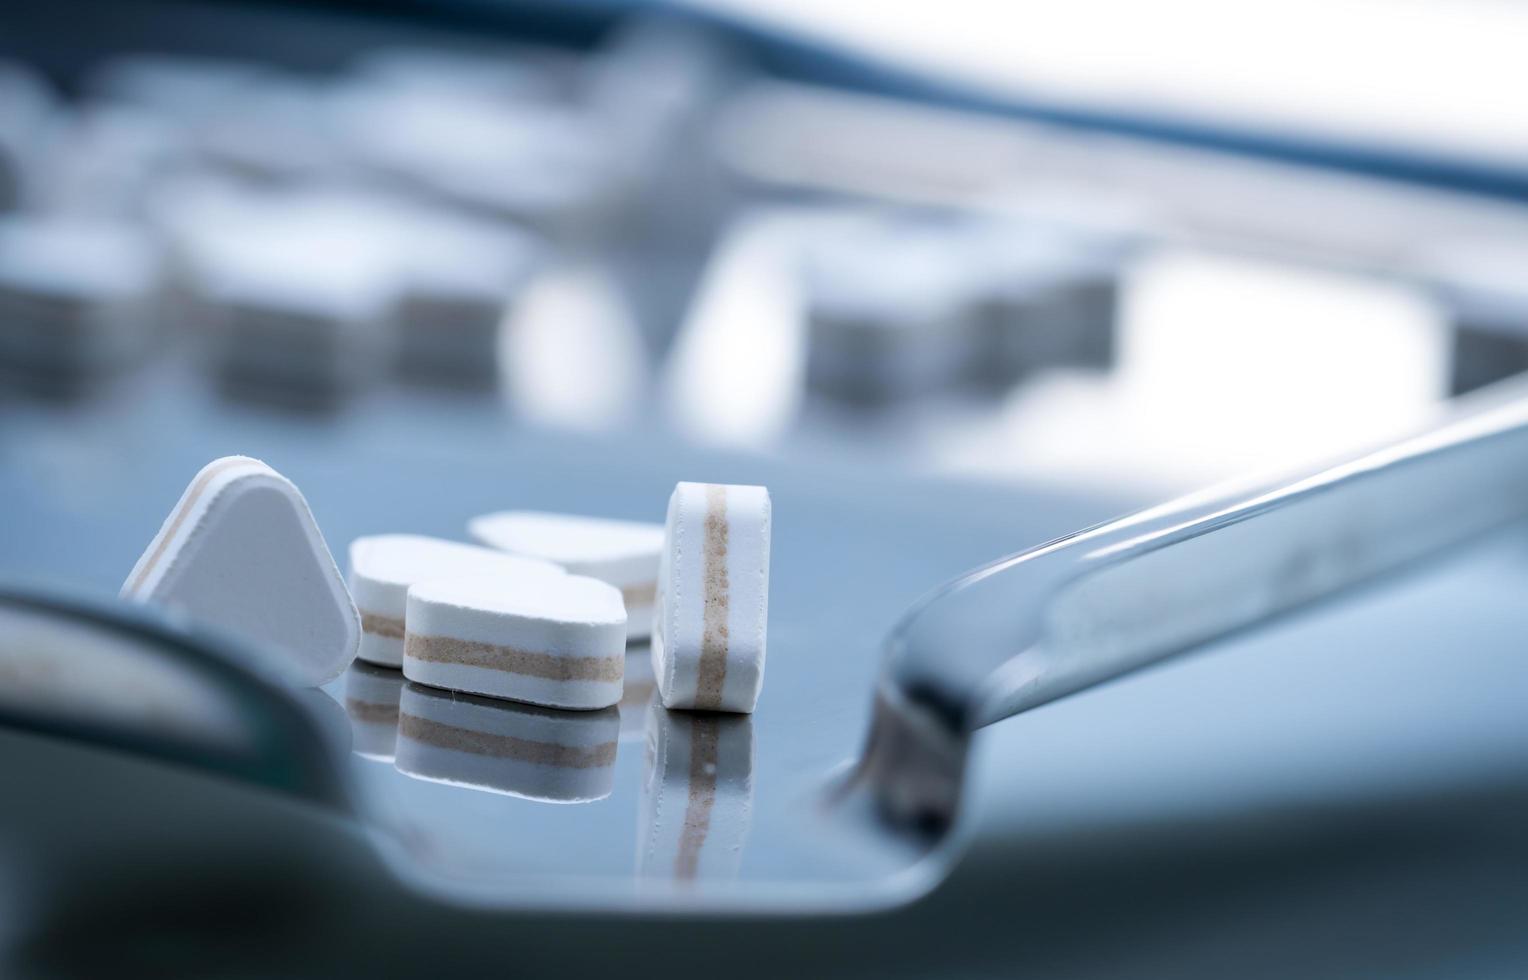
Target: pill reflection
x: 504, y: 747
x: 638, y: 691
x: 371, y: 702
x: 697, y: 794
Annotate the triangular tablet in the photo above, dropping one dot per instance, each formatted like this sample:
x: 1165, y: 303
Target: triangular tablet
x: 241, y: 552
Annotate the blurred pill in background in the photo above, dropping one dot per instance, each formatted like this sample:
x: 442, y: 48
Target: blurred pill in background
x: 1043, y: 298
x: 459, y: 279
x: 887, y: 310
x: 1481, y: 287
x: 189, y: 90
x: 27, y: 105
x: 276, y: 129
x: 76, y: 299
x: 103, y: 159
x: 292, y: 299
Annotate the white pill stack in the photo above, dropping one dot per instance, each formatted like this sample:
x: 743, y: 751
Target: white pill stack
x: 293, y: 296
x: 459, y: 280
x: 240, y: 551
x: 534, y: 163
x: 75, y: 298
x: 561, y: 643
x: 1043, y: 297
x: 503, y: 747
x: 709, y: 628
x: 371, y: 704
x: 382, y: 567
x: 697, y: 795
x: 887, y: 312
x: 274, y: 129
x: 622, y: 553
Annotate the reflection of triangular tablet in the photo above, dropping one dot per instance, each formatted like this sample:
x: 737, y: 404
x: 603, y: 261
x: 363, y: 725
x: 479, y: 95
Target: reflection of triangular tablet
x: 241, y: 552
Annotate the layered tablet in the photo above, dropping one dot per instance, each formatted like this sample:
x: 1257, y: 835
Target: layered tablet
x: 1043, y: 297
x: 697, y: 795
x: 504, y: 747
x: 241, y: 552
x: 292, y: 293
x: 458, y: 281
x: 709, y: 628
x: 75, y: 298
x: 887, y: 311
x: 622, y: 553
x: 382, y: 567
x: 560, y: 641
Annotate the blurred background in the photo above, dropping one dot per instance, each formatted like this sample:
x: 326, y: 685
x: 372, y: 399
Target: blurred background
x: 1086, y: 246
x: 1050, y: 262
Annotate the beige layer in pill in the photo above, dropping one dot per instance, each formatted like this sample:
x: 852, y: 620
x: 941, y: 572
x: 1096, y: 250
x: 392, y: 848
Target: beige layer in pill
x: 704, y: 736
x: 372, y: 713
x: 390, y: 627
x: 639, y: 595
x: 512, y: 660
x: 446, y: 736
x: 200, y: 487
x: 712, y: 669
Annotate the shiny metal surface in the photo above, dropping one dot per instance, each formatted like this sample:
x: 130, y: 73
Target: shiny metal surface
x: 851, y: 551
x: 1338, y: 793
x: 1081, y: 610
x: 488, y: 805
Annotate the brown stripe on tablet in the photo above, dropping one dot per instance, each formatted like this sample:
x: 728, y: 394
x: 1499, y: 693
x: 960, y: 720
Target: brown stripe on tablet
x: 640, y: 595
x: 208, y: 474
x: 495, y: 746
x: 712, y: 670
x: 704, y: 735
x: 493, y: 656
x: 386, y: 626
x: 371, y: 712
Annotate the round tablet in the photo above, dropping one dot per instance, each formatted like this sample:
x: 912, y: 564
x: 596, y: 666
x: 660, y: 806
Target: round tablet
x: 383, y: 566
x: 558, y: 641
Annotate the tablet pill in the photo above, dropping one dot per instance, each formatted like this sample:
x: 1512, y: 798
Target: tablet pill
x: 560, y: 642
x: 622, y: 553
x: 383, y: 566
x: 887, y: 312
x: 713, y: 597
x: 504, y: 747
x: 458, y: 281
x: 240, y: 551
x: 75, y: 298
